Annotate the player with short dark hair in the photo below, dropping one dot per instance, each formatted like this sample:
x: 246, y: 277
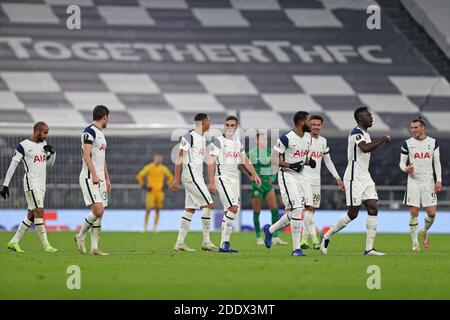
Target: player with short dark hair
x: 359, y: 186
x: 420, y: 159
x: 189, y: 170
x: 36, y: 156
x: 291, y: 155
x: 94, y: 179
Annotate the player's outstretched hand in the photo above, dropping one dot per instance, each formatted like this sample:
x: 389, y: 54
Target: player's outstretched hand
x: 409, y: 168
x: 438, y: 187
x: 4, y: 192
x: 174, y: 185
x: 49, y: 148
x: 387, y: 139
x: 340, y: 184
x: 257, y: 180
x: 212, y: 187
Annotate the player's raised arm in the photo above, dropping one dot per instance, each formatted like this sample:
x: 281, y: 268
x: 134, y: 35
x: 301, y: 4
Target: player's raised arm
x: 87, y: 149
x: 371, y: 146
x: 19, y: 153
x: 108, y: 181
x: 437, y: 168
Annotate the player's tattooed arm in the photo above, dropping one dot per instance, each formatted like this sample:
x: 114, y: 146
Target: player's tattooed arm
x: 369, y: 147
x: 178, y: 167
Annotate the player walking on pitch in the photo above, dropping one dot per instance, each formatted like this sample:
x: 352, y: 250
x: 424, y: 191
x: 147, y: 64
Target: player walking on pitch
x: 189, y: 168
x: 291, y: 155
x: 94, y: 179
x: 422, y: 153
x: 319, y: 150
x: 36, y: 156
x: 359, y: 186
x: 228, y: 152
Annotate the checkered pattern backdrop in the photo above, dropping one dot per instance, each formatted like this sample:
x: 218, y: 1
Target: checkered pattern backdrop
x: 61, y: 91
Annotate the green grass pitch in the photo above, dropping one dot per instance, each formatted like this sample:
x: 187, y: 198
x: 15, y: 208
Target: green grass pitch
x: 144, y: 266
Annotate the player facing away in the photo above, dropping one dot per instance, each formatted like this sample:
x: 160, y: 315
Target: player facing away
x: 319, y: 150
x: 359, y: 186
x: 189, y: 169
x: 260, y: 158
x: 154, y: 173
x: 36, y: 156
x: 94, y: 179
x: 226, y: 153
x: 422, y: 153
x: 291, y: 155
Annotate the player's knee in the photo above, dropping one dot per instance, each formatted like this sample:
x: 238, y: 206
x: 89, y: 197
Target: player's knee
x: 189, y: 210
x: 372, y: 211
x: 353, y: 214
x: 210, y: 206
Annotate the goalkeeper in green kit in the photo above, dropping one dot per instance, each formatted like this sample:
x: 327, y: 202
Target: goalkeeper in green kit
x: 260, y: 158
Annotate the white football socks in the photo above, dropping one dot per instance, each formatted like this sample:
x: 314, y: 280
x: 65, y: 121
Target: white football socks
x: 206, y: 224
x: 338, y: 226
x: 95, y: 234
x: 40, y: 228
x: 371, y: 227
x: 184, y: 226
x: 21, y: 230
x: 87, y: 225
x: 414, y: 228
x: 227, y: 226
x: 296, y: 226
x: 282, y: 223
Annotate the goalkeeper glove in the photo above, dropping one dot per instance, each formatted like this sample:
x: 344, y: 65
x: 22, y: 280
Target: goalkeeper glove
x: 297, y: 167
x: 49, y: 148
x: 4, y: 192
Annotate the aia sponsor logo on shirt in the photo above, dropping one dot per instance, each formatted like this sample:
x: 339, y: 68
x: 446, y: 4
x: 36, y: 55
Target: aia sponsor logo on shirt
x: 422, y: 155
x: 300, y: 153
x: 41, y: 158
x: 231, y: 154
x: 316, y: 155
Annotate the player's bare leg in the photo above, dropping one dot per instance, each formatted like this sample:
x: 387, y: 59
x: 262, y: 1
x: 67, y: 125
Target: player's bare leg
x: 429, y: 219
x: 155, y: 222
x: 414, y: 227
x: 147, y: 216
x: 271, y: 201
x: 256, y: 205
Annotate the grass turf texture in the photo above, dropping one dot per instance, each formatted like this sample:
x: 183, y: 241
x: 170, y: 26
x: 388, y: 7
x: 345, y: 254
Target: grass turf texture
x: 144, y: 266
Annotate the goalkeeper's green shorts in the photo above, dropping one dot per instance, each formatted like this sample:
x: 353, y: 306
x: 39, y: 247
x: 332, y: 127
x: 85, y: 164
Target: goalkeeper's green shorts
x: 262, y: 191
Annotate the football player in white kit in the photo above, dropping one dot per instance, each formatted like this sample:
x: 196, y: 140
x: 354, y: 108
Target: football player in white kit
x: 319, y: 150
x: 94, y: 179
x: 422, y: 153
x: 359, y: 186
x: 226, y: 153
x: 36, y: 156
x: 189, y: 170
x: 291, y: 155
